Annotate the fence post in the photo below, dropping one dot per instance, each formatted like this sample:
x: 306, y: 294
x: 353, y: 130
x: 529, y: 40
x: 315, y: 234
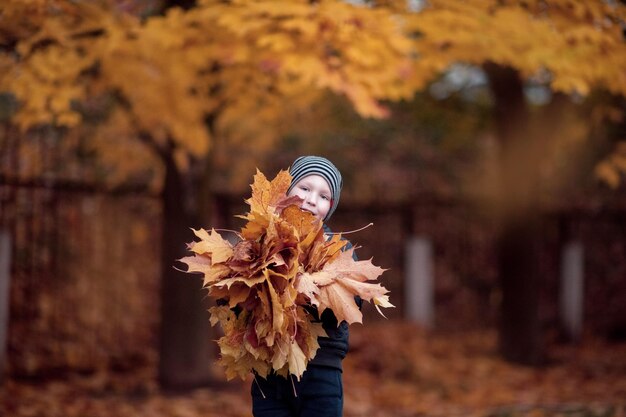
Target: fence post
x: 419, y: 293
x: 572, y: 288
x: 5, y: 275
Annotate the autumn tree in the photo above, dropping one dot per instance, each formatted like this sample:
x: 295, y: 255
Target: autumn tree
x: 570, y: 46
x: 181, y: 83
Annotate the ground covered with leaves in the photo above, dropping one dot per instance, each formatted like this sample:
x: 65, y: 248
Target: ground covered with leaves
x: 393, y: 369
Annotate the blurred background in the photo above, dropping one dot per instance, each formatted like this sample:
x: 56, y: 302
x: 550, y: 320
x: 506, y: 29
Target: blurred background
x: 485, y: 140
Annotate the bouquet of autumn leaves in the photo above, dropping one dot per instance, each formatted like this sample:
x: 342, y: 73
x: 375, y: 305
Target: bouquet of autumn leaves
x: 282, y: 265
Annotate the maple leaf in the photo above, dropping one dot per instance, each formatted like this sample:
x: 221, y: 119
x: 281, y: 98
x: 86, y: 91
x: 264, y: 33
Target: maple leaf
x: 203, y: 264
x: 268, y: 199
x: 213, y: 244
x: 197, y: 263
x: 323, y: 251
x: 304, y: 222
x: 340, y: 280
x: 297, y: 360
x: 267, y: 195
x: 341, y: 301
x: 307, y: 286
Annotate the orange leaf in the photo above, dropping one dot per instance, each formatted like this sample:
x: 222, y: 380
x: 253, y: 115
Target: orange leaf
x: 219, y: 248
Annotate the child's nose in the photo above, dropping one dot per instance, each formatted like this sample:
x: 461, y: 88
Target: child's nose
x: 310, y: 199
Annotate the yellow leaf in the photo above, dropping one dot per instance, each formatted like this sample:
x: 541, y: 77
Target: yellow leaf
x: 219, y: 248
x: 297, y: 360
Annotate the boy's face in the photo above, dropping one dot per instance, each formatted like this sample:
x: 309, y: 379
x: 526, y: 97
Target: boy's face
x: 315, y: 194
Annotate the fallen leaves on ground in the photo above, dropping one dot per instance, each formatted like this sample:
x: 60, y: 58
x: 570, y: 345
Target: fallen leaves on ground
x: 405, y: 371
x: 393, y: 369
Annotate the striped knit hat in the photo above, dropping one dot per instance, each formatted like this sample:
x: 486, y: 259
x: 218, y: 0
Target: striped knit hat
x: 316, y: 165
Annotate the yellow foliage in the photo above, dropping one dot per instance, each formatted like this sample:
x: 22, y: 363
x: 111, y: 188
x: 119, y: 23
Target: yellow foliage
x: 120, y: 156
x: 613, y: 168
x: 580, y: 44
x: 234, y: 61
x: 20, y: 18
x: 235, y: 70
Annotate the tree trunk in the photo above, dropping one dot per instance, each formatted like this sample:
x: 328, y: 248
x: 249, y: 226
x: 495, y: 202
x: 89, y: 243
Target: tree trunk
x: 519, y: 220
x: 518, y: 269
x: 185, y: 347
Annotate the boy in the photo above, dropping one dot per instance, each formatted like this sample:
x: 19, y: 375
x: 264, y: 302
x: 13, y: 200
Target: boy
x: 320, y: 390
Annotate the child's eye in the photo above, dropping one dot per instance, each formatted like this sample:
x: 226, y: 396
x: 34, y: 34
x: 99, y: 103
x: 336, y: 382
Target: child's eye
x: 325, y: 197
x: 302, y: 187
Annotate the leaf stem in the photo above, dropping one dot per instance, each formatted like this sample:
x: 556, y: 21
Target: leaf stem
x: 229, y: 230
x: 351, y: 231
